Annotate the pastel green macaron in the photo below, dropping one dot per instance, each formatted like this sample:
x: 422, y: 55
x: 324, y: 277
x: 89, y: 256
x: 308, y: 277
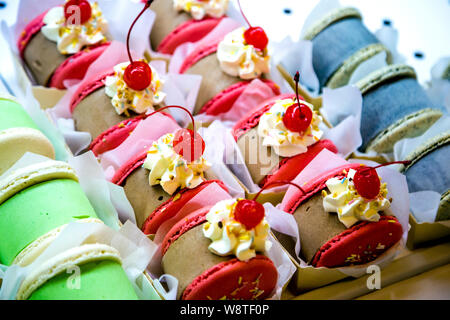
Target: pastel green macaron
x: 19, y: 134
x: 36, y: 203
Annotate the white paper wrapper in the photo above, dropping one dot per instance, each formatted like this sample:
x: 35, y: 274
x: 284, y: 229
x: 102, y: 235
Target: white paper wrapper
x: 214, y: 136
x: 300, y: 51
x: 438, y: 89
x: 376, y: 62
x: 134, y: 248
x: 388, y: 36
x: 20, y: 86
x: 424, y: 205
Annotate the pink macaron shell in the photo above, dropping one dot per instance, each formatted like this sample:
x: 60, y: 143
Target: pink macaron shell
x: 189, y: 31
x: 29, y: 32
x: 290, y: 167
x: 75, y: 66
x: 360, y: 244
x: 254, y: 279
x: 114, y: 136
x: 88, y: 86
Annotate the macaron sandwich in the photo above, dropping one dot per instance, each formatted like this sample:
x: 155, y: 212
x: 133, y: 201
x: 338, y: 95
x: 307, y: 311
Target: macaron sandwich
x: 343, y: 216
x: 61, y: 43
x: 280, y: 137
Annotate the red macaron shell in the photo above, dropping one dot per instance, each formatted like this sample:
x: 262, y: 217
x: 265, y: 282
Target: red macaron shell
x: 289, y: 168
x: 235, y: 279
x: 225, y: 100
x: 198, y: 54
x: 75, y: 66
x: 171, y: 207
x: 29, y: 32
x: 114, y: 136
x: 360, y: 244
x: 87, y: 87
x: 189, y: 31
x: 315, y: 185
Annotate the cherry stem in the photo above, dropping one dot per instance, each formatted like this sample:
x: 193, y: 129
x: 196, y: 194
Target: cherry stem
x: 297, y: 80
x: 242, y: 12
x: 405, y: 162
x: 280, y: 182
x: 178, y: 107
x: 147, y: 5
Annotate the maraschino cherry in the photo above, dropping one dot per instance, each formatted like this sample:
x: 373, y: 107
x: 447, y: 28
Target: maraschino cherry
x: 366, y: 180
x: 187, y: 143
x: 138, y: 74
x: 250, y: 212
x: 85, y: 10
x: 298, y: 117
x: 255, y: 36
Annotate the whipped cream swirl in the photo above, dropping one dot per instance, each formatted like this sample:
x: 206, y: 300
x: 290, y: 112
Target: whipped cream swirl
x: 284, y: 142
x: 349, y: 205
x: 239, y: 59
x: 230, y: 236
x: 71, y: 39
x: 171, y: 170
x: 124, y: 98
x: 200, y: 9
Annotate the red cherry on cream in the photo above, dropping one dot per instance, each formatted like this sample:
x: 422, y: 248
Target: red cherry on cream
x: 256, y: 37
x: 80, y: 7
x: 249, y: 212
x: 367, y: 182
x: 138, y: 75
x: 298, y: 117
x: 188, y: 145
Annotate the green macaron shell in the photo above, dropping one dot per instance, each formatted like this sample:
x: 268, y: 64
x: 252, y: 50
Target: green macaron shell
x: 37, y: 210
x: 99, y: 280
x: 12, y: 115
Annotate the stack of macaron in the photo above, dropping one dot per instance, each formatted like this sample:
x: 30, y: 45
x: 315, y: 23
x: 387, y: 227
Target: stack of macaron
x: 342, y: 29
x: 62, y: 42
x: 19, y: 134
x: 37, y: 201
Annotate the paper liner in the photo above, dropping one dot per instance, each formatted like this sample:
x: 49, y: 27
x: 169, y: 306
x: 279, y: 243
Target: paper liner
x: 423, y: 204
x: 397, y: 186
x: 134, y: 247
x: 214, y: 137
